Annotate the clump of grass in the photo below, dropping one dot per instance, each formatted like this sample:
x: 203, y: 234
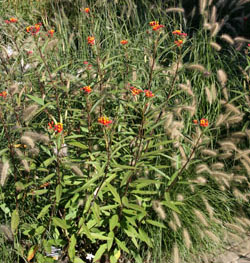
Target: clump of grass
x: 110, y: 152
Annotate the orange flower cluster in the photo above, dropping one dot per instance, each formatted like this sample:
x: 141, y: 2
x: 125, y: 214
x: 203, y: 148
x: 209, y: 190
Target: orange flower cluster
x: 155, y: 25
x: 34, y: 29
x: 105, y: 121
x: 51, y: 32
x: 124, y: 42
x: 135, y: 91
x: 178, y: 32
x: 57, y: 128
x: 12, y: 20
x: 203, y: 122
x: 91, y: 40
x: 3, y: 94
x: 86, y: 10
x: 178, y: 42
x: 148, y: 93
x: 86, y: 89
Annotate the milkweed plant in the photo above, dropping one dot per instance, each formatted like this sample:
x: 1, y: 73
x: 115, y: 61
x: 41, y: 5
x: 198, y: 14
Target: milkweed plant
x: 120, y: 140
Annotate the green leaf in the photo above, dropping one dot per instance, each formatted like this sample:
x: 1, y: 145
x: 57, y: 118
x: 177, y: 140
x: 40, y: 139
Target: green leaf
x: 144, y: 192
x: 113, y: 222
x: 71, y: 250
x: 78, y: 144
x: 144, y: 237
x: 155, y: 223
x: 85, y: 186
x: 58, y: 193
x: 100, y: 252
x: 36, y: 99
x: 114, y: 193
x: 121, y: 245
x: 14, y: 220
x: 96, y: 211
x: 38, y: 192
x: 84, y: 229
x: 110, y: 242
x: 94, y: 106
x: 159, y: 171
x: 99, y: 236
x: 44, y: 211
x: 40, y: 230
x: 172, y: 178
x: 78, y: 260
x: 47, y: 162
x: 60, y: 222
x: 171, y: 205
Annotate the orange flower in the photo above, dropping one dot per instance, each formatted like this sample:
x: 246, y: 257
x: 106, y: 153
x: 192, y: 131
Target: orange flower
x: 50, y: 124
x: 33, y: 29
x: 13, y: 20
x: 153, y: 23
x: 87, y: 89
x: 58, y: 127
x: 148, y: 93
x: 124, y: 42
x: 3, y: 94
x: 135, y: 91
x: 157, y: 27
x: 203, y: 122
x: 195, y: 121
x: 86, y: 10
x: 105, y: 121
x: 178, y: 32
x: 51, y: 32
x: 91, y: 40
x: 178, y: 42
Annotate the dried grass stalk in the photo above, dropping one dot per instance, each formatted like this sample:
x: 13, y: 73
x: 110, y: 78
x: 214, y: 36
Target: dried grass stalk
x: 172, y: 225
x: 209, y: 152
x: 175, y: 254
x: 202, y: 5
x: 28, y: 141
x: 196, y: 67
x: 216, y: 46
x: 186, y: 238
x: 213, y: 92
x: 176, y: 219
x: 159, y: 209
x: 235, y: 228
x: 227, y: 38
x: 77, y: 170
x: 202, y: 168
x: 247, y: 167
x: 217, y: 166
x: 222, y: 77
x: 212, y: 236
x: 200, y: 217
x: 175, y: 9
x: 232, y: 108
x: 7, y: 232
x: 227, y: 145
x: 209, y: 95
x: 29, y: 112
x: 4, y: 173
x: 234, y: 119
x: 208, y: 207
x: 213, y: 15
x: 238, y: 195
x: 241, y: 40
